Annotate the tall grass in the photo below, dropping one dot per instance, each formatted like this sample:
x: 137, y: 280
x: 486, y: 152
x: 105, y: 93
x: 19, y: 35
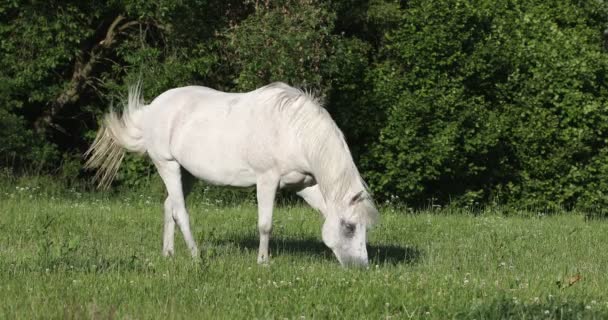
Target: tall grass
x: 78, y: 255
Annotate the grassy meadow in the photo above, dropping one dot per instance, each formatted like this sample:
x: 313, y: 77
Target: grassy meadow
x: 81, y: 256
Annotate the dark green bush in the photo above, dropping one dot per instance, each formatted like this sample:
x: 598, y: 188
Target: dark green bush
x: 284, y: 42
x: 493, y: 100
x: 459, y: 101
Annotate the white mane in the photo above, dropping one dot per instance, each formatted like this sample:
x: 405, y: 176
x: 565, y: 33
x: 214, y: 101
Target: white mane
x: 327, y: 151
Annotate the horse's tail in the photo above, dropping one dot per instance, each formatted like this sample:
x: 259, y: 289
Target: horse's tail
x: 118, y: 133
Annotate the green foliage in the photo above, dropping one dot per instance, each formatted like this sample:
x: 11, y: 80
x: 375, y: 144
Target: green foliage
x: 463, y: 101
x: 20, y: 148
x: 492, y: 100
x: 82, y: 255
x: 286, y: 42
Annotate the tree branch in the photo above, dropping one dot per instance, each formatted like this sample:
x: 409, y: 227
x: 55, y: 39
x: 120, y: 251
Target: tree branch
x: 83, y: 68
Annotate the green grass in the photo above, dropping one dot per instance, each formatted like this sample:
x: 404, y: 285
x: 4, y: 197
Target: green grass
x: 93, y: 257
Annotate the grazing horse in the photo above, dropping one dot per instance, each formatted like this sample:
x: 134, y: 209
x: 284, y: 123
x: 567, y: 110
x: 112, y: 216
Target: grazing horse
x: 274, y: 137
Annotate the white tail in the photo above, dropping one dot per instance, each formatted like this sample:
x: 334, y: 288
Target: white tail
x: 117, y: 134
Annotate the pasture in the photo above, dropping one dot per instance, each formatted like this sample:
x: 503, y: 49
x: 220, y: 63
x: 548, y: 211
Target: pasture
x: 88, y: 256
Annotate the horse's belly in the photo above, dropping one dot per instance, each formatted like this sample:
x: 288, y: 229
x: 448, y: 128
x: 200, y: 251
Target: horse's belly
x: 212, y: 153
x: 296, y: 180
x: 217, y: 173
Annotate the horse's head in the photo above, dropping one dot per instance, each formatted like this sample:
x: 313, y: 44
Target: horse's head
x: 346, y: 233
x: 347, y: 239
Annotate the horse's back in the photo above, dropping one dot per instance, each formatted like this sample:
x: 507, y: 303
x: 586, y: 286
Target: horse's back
x: 217, y: 136
x: 174, y: 98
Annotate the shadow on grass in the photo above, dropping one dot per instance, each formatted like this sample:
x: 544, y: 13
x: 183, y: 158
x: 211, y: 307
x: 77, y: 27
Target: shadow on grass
x: 378, y: 254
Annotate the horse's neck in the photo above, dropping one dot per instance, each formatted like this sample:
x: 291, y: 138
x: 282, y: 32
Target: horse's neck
x: 329, y: 157
x: 335, y: 170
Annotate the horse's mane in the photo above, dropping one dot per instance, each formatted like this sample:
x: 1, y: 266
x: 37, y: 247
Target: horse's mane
x: 326, y: 147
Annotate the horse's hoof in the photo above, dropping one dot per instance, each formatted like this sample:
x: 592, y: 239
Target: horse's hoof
x: 263, y: 261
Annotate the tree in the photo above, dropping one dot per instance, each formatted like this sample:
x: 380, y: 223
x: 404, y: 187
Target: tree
x: 492, y: 101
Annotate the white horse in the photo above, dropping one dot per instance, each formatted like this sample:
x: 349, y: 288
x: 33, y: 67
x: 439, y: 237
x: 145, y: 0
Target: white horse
x: 273, y: 137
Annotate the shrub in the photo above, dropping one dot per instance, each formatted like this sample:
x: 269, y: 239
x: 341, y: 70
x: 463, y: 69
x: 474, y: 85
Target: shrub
x: 493, y: 100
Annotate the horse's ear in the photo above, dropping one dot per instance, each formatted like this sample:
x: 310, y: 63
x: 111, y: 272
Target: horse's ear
x: 356, y: 198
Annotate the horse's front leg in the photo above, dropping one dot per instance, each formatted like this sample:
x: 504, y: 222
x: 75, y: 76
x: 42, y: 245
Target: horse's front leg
x: 266, y: 189
x: 169, y: 229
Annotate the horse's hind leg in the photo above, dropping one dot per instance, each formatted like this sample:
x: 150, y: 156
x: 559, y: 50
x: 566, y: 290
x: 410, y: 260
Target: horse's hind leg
x: 175, y: 207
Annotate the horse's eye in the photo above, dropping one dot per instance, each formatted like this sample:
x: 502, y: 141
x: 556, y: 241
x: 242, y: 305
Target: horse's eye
x: 348, y: 228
